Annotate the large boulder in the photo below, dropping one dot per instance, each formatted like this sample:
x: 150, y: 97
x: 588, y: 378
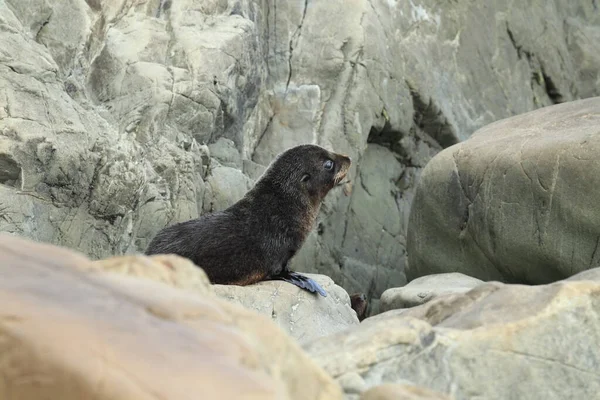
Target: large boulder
x: 426, y: 288
x: 517, y: 202
x: 303, y: 315
x: 497, y: 341
x: 173, y: 270
x: 74, y: 331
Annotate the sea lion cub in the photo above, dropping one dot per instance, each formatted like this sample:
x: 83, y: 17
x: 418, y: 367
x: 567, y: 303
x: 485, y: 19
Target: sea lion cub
x: 254, y: 239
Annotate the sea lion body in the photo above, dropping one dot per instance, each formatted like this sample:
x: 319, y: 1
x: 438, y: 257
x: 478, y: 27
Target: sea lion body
x: 254, y: 239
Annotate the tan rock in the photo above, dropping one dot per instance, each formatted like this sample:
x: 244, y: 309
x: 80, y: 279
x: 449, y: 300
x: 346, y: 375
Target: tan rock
x: 496, y: 341
x: 303, y: 315
x: 173, y: 270
x: 588, y: 275
x: 426, y: 288
x: 70, y: 334
x: 401, y: 392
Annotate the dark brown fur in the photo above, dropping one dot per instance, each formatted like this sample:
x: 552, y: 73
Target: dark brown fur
x: 359, y: 303
x: 255, y: 238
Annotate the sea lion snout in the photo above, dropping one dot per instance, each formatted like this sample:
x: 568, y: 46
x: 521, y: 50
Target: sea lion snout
x: 344, y: 163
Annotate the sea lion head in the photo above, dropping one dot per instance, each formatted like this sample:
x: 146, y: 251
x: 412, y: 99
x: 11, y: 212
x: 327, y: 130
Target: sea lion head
x: 310, y: 170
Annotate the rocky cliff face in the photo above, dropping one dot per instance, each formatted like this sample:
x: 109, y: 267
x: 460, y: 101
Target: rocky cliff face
x: 119, y: 117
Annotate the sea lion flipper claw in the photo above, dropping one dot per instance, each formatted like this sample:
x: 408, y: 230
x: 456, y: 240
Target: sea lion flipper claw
x: 301, y: 281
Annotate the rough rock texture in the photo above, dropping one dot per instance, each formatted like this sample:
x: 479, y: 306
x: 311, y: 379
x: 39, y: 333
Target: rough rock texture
x: 132, y: 338
x: 119, y: 117
x: 517, y: 202
x: 426, y: 288
x: 173, y: 270
x: 401, y: 392
x: 497, y: 341
x: 304, y: 316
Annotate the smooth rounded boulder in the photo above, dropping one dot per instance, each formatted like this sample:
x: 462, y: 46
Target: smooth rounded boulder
x: 133, y: 328
x: 426, y: 288
x: 517, y: 202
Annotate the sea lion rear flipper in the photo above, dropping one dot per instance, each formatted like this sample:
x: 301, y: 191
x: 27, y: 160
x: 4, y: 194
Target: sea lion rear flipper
x: 301, y: 281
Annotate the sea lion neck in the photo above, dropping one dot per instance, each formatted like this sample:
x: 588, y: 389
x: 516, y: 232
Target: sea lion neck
x: 269, y: 190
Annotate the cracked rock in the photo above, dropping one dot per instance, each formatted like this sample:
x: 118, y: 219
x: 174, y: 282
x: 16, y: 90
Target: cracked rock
x: 517, y: 202
x: 497, y: 341
x: 304, y: 316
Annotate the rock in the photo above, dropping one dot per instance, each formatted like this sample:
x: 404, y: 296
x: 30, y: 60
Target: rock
x: 107, y: 109
x: 170, y: 269
x: 426, y: 288
x: 225, y: 186
x: 304, y: 316
x: 542, y: 338
x: 516, y: 202
x: 588, y: 275
x: 225, y: 152
x: 401, y: 392
x: 131, y: 334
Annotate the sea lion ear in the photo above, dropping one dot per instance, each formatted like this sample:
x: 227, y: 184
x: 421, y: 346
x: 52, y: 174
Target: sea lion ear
x: 305, y: 178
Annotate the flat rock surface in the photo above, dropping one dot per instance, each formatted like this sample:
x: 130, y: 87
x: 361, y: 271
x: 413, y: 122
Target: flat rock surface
x: 498, y: 341
x: 303, y: 315
x: 517, y: 202
x: 426, y: 288
x: 70, y: 334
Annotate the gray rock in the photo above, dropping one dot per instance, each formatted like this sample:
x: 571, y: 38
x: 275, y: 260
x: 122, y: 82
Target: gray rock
x: 588, y: 275
x: 225, y: 152
x: 516, y: 202
x: 226, y: 186
x: 107, y: 108
x: 303, y: 315
x: 426, y: 288
x: 498, y: 341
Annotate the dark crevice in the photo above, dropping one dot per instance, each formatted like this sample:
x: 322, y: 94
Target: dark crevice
x: 10, y: 170
x: 538, y: 77
x: 385, y: 136
x: 520, y: 50
x: 164, y: 5
x: 111, y: 219
x: 429, y: 118
x: 295, y: 38
x: 37, y: 35
x: 551, y: 89
x: 13, y: 69
x: 263, y: 133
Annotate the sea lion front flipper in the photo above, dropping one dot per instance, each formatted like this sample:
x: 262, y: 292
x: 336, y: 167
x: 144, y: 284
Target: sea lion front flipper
x: 301, y: 281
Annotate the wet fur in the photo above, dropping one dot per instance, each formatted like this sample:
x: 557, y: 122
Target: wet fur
x: 255, y: 238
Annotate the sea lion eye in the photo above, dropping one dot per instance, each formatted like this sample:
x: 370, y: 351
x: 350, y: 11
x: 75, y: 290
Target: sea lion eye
x: 328, y: 165
x: 305, y: 177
